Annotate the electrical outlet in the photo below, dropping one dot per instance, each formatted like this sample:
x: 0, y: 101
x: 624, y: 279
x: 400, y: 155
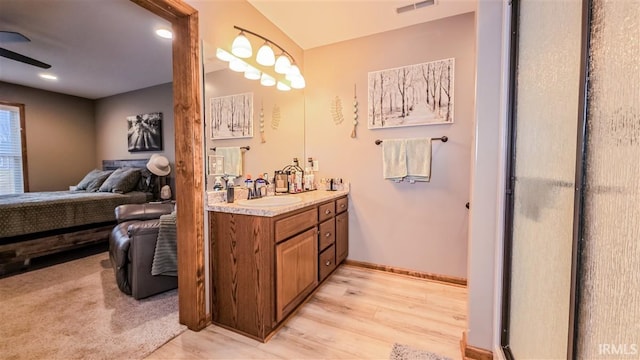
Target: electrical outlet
x: 316, y: 165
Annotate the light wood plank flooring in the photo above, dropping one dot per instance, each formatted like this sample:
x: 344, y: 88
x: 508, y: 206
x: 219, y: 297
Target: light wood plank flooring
x: 356, y: 314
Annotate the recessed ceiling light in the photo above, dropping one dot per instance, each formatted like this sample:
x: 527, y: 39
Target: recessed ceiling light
x: 164, y: 33
x: 48, y: 76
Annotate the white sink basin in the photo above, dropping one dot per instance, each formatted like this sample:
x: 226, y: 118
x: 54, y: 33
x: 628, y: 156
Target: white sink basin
x: 270, y: 201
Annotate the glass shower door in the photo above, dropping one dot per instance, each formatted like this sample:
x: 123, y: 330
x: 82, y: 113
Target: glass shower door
x: 546, y: 110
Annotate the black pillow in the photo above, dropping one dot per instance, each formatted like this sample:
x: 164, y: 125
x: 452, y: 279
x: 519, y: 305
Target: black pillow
x: 122, y: 180
x: 93, y: 180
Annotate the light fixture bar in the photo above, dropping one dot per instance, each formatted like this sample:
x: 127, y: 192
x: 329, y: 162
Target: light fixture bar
x: 267, y: 40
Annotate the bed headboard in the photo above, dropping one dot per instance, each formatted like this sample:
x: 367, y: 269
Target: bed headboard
x: 115, y: 164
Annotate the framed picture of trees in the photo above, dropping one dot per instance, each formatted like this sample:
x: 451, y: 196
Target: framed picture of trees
x: 420, y: 94
x: 232, y: 116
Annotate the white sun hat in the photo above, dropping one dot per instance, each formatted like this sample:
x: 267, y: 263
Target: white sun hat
x: 159, y: 165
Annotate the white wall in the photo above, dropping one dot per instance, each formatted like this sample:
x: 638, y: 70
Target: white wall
x: 420, y: 226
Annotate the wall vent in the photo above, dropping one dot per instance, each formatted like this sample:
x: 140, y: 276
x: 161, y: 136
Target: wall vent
x: 414, y: 6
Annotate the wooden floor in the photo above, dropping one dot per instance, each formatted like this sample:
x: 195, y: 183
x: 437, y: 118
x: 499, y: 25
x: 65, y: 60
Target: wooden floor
x: 356, y: 314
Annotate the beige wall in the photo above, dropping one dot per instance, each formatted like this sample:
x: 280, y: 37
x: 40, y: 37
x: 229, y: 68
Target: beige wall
x: 420, y: 226
x: 60, y: 136
x: 111, y: 124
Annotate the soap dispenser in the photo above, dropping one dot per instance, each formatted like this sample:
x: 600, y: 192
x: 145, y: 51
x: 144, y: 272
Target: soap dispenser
x: 230, y: 190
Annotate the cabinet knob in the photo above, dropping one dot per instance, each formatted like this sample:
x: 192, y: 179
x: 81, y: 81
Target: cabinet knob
x: 328, y: 263
x: 327, y: 211
x: 328, y: 234
x: 343, y: 206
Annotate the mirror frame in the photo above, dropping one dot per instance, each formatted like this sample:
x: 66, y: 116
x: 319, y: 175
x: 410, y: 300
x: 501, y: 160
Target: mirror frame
x: 189, y: 165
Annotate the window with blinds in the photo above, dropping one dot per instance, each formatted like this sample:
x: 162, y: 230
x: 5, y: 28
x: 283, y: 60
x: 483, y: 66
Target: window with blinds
x: 11, y: 173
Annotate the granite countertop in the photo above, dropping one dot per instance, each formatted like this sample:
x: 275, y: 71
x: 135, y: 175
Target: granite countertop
x: 308, y: 198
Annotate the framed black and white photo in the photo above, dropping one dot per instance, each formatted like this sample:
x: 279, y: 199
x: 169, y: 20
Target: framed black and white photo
x: 145, y: 132
x: 232, y: 116
x: 420, y: 94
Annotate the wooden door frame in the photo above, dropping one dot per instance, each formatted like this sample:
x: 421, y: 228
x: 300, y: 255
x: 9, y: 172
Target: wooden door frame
x: 189, y: 148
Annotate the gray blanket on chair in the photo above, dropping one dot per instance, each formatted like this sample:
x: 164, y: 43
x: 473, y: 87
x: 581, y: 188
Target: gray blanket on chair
x: 165, y: 259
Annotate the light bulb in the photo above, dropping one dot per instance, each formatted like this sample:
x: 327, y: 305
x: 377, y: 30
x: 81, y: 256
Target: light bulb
x: 282, y: 64
x: 241, y: 46
x: 224, y: 55
x: 265, y: 55
x: 282, y: 86
x: 252, y: 73
x: 267, y: 80
x: 297, y: 82
x: 238, y: 65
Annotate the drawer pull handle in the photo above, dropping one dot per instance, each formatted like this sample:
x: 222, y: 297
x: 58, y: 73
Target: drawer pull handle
x: 328, y: 263
x: 342, y: 206
x: 327, y: 212
x: 328, y: 234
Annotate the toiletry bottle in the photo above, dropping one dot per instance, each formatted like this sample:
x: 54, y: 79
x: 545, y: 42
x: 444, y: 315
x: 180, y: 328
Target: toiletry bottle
x: 230, y: 190
x: 248, y: 183
x: 299, y: 180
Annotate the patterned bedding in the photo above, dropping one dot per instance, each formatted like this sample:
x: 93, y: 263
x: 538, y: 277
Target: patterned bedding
x: 29, y: 213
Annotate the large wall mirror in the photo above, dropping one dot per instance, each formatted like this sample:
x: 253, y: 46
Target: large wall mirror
x: 275, y: 117
x: 283, y: 112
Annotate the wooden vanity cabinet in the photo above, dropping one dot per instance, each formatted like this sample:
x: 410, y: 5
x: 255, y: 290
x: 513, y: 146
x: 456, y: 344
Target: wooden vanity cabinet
x: 263, y: 268
x: 333, y: 236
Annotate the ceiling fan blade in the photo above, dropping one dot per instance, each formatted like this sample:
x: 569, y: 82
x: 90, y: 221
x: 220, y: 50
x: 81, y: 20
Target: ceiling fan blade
x: 25, y: 59
x: 12, y: 36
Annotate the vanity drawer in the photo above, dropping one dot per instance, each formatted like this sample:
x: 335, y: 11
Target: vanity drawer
x: 326, y: 211
x: 295, y: 224
x: 327, y: 235
x: 327, y: 262
x: 342, y: 204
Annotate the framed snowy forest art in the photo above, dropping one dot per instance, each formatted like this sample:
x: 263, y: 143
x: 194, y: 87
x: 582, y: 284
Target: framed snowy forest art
x: 232, y: 116
x: 420, y: 94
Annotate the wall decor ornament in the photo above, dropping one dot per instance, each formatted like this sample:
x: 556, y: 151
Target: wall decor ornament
x: 232, y: 116
x: 336, y: 110
x: 262, y: 138
x: 144, y: 132
x: 275, y: 117
x: 355, y: 112
x: 420, y: 94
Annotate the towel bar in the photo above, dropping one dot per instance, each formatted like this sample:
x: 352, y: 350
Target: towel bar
x: 242, y: 148
x: 443, y: 139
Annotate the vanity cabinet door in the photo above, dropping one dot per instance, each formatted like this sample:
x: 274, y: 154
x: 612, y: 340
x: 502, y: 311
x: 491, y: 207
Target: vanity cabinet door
x: 342, y: 236
x: 296, y: 271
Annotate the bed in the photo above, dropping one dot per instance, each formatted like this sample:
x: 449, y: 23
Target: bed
x: 43, y: 223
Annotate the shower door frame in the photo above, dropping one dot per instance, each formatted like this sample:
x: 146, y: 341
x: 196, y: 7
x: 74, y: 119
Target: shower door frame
x: 581, y: 134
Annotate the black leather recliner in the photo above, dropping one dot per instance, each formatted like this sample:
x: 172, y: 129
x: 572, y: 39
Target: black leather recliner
x: 132, y: 244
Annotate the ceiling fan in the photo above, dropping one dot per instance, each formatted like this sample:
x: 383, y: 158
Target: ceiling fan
x: 13, y: 37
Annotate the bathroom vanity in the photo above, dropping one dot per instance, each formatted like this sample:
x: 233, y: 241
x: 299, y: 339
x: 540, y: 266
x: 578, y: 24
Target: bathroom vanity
x: 266, y: 260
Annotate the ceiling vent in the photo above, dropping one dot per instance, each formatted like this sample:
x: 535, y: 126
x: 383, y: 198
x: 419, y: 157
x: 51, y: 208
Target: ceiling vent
x: 415, y: 6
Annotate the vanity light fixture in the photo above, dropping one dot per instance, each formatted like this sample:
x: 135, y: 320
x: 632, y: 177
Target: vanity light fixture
x: 241, y: 47
x: 267, y: 80
x: 284, y: 64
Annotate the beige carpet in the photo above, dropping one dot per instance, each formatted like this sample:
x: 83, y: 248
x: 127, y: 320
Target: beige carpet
x: 74, y: 310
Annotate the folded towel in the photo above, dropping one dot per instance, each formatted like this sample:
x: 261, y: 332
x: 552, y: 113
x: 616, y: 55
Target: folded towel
x: 394, y: 159
x: 232, y: 160
x: 165, y: 258
x: 418, y: 159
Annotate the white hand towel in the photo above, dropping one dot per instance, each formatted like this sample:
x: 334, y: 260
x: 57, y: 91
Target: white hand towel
x: 418, y: 159
x: 394, y: 159
x: 232, y: 160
